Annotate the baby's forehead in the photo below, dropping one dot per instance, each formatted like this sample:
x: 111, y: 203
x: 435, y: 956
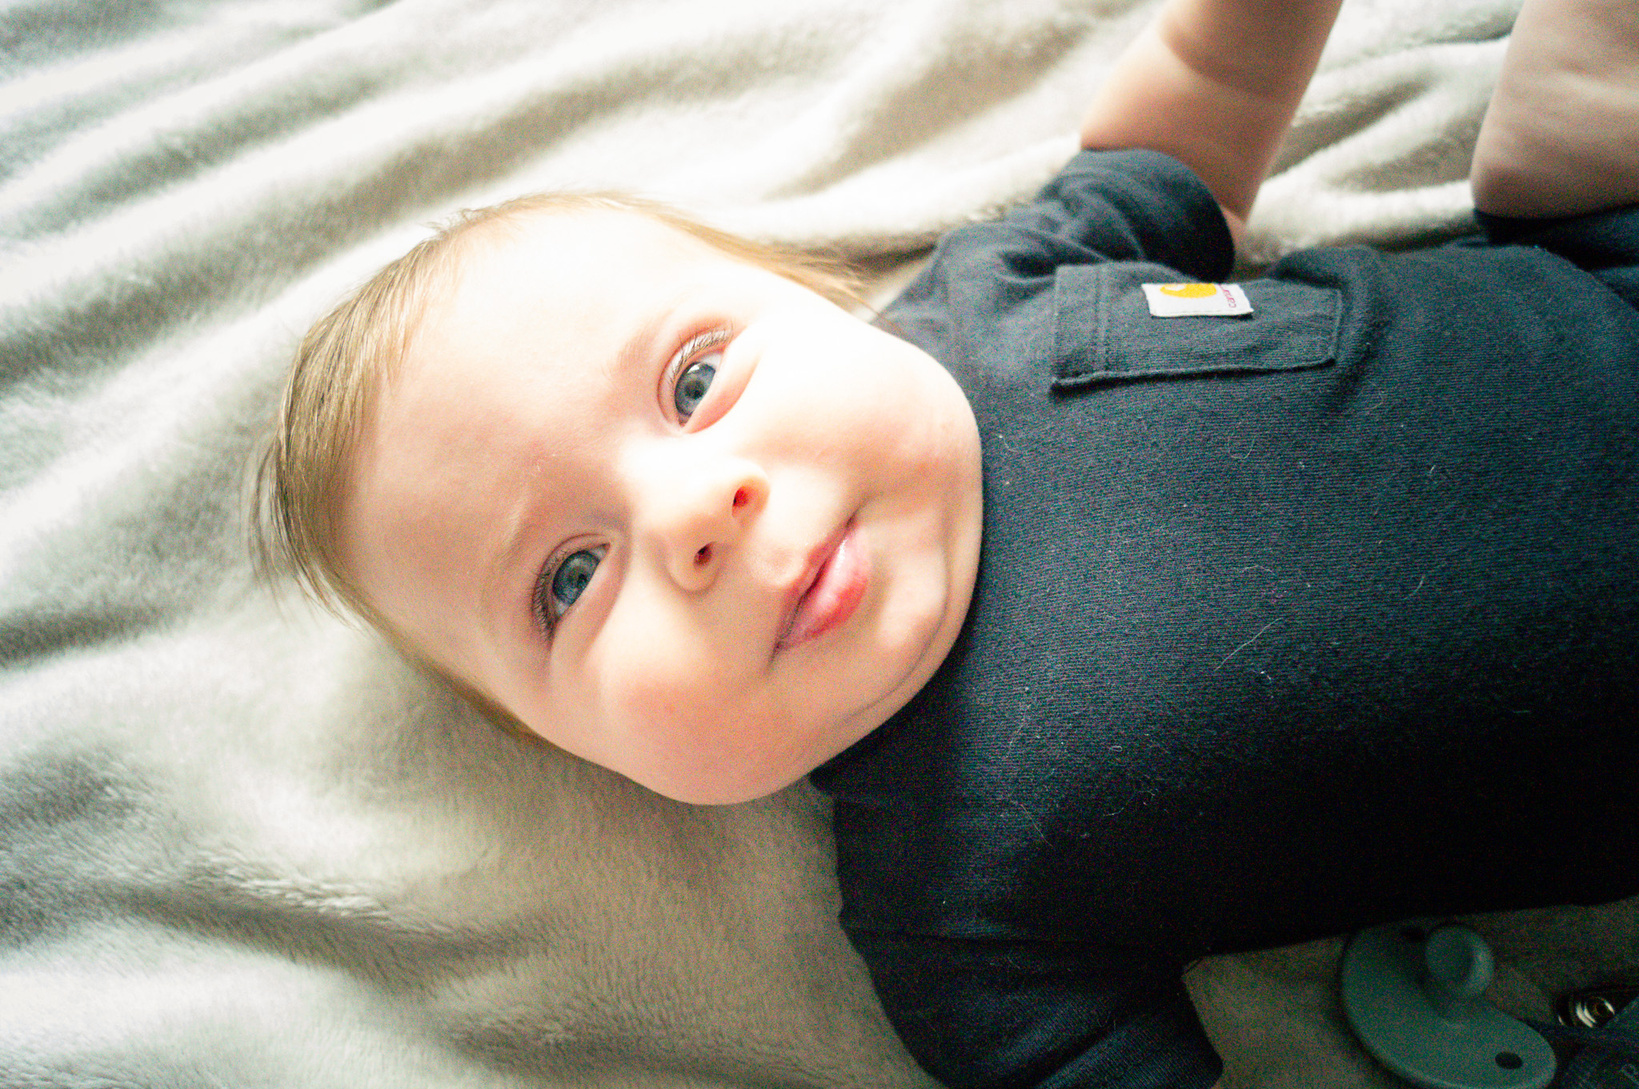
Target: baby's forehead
x: 579, y: 233
x: 576, y: 283
x: 578, y: 257
x: 573, y: 274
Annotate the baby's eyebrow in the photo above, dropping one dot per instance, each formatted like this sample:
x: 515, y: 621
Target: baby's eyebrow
x: 504, y: 570
x: 634, y: 350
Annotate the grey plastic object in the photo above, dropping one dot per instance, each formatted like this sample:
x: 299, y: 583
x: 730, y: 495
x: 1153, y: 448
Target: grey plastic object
x: 1412, y: 993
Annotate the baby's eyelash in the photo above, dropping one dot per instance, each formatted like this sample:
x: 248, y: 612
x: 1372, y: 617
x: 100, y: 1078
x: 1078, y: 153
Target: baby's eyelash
x: 539, y: 599
x: 695, y: 345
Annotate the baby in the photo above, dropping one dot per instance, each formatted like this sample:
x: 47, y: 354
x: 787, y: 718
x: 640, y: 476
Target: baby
x: 1127, y: 616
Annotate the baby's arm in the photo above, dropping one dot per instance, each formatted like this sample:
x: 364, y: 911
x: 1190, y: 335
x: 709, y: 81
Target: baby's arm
x: 1214, y: 83
x: 1562, y: 134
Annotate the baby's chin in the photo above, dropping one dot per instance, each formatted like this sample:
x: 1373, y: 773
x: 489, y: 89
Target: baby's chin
x: 740, y: 772
x: 722, y: 785
x: 717, y: 793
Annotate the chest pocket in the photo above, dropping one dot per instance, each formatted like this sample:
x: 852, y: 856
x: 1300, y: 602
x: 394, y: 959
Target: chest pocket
x: 1104, y: 332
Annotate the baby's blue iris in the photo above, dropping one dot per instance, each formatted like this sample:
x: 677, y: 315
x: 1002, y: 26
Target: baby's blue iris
x: 572, y: 576
x: 692, y: 385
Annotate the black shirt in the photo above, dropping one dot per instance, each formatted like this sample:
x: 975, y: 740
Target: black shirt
x: 1286, y: 622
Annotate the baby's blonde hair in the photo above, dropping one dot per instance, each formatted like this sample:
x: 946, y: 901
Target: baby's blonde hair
x: 349, y: 353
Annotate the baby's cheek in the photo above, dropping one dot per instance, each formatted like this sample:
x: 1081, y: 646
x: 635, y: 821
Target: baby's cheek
x: 678, y: 745
x: 661, y: 698
x: 676, y: 702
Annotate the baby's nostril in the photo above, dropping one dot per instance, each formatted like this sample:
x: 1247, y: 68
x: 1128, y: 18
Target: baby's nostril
x: 703, y: 556
x: 741, y: 498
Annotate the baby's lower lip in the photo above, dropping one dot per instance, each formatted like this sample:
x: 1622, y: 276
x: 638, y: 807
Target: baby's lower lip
x: 835, y: 593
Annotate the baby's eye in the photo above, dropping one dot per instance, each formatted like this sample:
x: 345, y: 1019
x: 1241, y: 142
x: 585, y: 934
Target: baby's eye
x: 695, y: 367
x: 562, y: 583
x: 693, y: 383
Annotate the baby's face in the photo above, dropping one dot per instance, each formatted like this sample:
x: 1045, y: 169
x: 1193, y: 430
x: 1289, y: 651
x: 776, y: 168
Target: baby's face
x: 681, y: 516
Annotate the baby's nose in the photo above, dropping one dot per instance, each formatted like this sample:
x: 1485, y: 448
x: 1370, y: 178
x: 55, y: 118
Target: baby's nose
x: 700, y: 516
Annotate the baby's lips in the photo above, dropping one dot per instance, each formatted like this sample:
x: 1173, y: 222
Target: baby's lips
x: 834, y: 593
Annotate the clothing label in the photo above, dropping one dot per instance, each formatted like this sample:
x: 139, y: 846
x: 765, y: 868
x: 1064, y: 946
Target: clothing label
x: 1196, y: 300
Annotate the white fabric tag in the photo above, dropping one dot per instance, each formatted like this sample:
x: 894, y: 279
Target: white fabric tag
x: 1196, y: 300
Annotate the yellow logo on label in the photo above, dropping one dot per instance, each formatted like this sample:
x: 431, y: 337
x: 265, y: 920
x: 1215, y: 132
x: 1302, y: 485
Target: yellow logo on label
x: 1196, y: 300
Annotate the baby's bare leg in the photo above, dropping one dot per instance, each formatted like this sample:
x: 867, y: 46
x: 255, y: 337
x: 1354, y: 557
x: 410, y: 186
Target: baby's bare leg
x: 1562, y: 134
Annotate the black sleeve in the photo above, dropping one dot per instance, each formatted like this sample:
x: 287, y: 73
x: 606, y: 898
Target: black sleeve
x: 1009, y: 1015
x: 1115, y: 206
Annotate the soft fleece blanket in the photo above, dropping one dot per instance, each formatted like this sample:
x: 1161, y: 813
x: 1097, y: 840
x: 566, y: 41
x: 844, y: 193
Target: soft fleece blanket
x: 243, y: 844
